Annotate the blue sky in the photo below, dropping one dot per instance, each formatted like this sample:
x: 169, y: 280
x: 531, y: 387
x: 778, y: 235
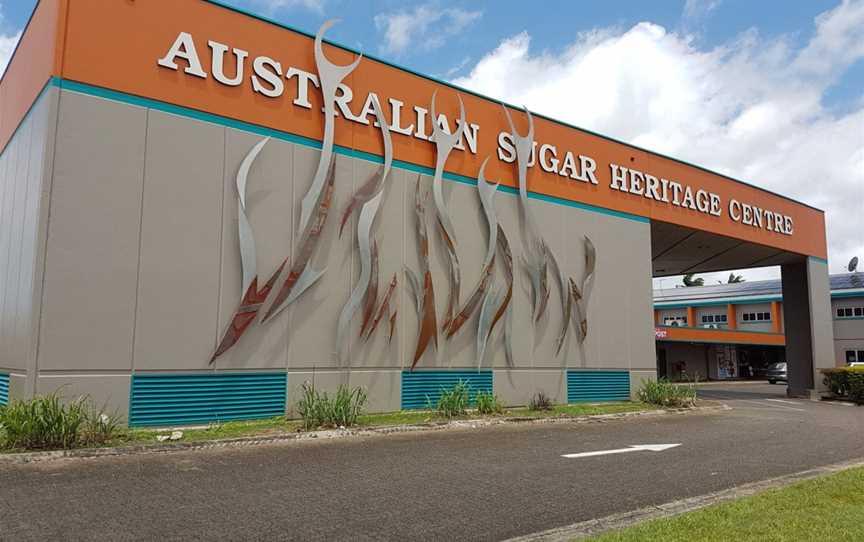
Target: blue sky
x: 770, y: 92
x: 552, y: 27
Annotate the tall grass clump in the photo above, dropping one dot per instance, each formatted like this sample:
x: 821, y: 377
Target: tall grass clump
x: 540, y: 402
x: 488, y: 403
x: 341, y: 410
x: 666, y: 394
x: 46, y: 422
x: 453, y: 402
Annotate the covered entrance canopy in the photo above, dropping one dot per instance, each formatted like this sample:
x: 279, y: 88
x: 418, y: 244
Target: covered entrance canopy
x: 678, y: 250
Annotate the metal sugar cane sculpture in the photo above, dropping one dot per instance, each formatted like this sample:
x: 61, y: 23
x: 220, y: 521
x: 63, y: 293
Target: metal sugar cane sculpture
x: 253, y: 298
x: 574, y: 297
x: 486, y: 192
x: 302, y: 274
x: 369, y: 197
x: 536, y: 251
x: 424, y: 293
x: 444, y: 143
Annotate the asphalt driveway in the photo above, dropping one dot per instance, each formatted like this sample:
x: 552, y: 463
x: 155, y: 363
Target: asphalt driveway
x: 487, y: 484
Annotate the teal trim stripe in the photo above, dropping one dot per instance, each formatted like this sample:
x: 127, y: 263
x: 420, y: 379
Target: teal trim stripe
x: 173, y: 399
x: 420, y: 389
x: 595, y: 386
x: 840, y: 294
x: 723, y: 302
x: 107, y: 94
x: 4, y: 389
x: 818, y: 259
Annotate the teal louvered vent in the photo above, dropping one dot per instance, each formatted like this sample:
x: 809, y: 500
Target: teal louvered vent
x: 4, y: 389
x: 420, y: 388
x: 174, y: 399
x: 595, y: 386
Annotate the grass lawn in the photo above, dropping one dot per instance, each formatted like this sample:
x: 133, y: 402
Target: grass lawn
x: 280, y: 425
x: 829, y: 508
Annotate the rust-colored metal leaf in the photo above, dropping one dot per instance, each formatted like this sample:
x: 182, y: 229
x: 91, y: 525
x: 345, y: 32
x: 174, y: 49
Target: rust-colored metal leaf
x: 306, y: 247
x: 251, y: 303
x: 507, y: 259
x: 371, y: 297
x: 426, y: 312
x: 361, y: 196
x: 392, y: 326
x: 473, y: 301
x: 385, y: 307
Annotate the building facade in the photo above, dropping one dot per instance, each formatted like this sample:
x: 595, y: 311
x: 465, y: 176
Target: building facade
x: 203, y: 210
x: 736, y: 330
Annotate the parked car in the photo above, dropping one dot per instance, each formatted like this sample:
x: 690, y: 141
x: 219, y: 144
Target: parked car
x: 776, y: 373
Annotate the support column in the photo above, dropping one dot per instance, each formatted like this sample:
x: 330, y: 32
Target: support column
x: 731, y: 317
x: 776, y: 318
x: 807, y: 317
x: 691, y: 317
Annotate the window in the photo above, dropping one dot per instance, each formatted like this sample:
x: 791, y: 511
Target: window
x: 675, y: 321
x: 850, y: 312
x: 756, y: 317
x: 713, y: 318
x: 852, y: 356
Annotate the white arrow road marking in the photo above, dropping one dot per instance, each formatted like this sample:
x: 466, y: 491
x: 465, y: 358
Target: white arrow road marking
x: 632, y: 448
x: 782, y: 401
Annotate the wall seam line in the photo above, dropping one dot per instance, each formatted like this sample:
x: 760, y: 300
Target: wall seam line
x: 140, y: 241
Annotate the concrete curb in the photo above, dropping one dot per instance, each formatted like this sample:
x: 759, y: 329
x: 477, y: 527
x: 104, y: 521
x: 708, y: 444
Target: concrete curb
x: 284, y: 438
x: 594, y: 527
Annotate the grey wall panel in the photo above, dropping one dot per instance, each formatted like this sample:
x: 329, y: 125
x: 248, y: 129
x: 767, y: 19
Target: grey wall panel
x: 178, y: 283
x: 312, y: 324
x: 92, y: 249
x: 16, y: 234
x: 17, y: 386
x: 821, y: 329
x: 108, y: 392
x: 12, y: 155
x: 388, y: 232
x: 21, y: 183
x: 269, y: 208
x: 517, y: 387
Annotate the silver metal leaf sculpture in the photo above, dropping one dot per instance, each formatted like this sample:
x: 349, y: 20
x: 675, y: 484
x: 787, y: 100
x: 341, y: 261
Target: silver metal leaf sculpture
x: 535, y: 253
x: 486, y: 192
x: 444, y: 143
x: 330, y: 76
x: 369, y: 197
x: 428, y: 332
x: 252, y: 297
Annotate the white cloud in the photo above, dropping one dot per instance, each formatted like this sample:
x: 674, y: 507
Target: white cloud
x: 7, y: 44
x: 272, y: 6
x: 750, y: 108
x: 694, y: 9
x: 426, y: 27
x: 7, y: 47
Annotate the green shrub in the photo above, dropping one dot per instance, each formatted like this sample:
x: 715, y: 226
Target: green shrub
x: 666, y: 394
x: 453, y: 402
x: 846, y: 382
x: 488, y: 403
x: 98, y: 427
x: 46, y: 422
x: 540, y: 401
x: 341, y: 410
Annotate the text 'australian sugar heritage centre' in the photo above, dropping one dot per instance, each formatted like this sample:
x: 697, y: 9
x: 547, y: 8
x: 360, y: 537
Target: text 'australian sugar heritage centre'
x: 202, y: 210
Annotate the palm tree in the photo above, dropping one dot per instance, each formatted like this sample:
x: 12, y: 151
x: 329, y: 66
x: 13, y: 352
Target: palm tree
x: 690, y: 281
x: 734, y: 279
